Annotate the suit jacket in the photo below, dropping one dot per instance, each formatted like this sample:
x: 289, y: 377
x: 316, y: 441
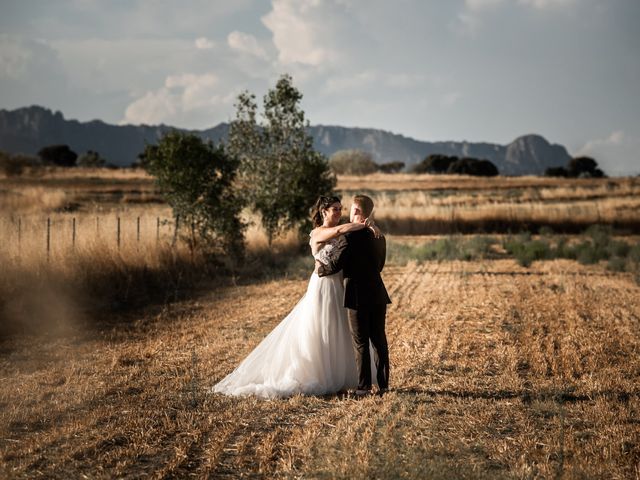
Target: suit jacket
x: 361, y: 261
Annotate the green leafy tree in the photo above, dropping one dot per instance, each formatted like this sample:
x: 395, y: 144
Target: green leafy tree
x: 197, y: 180
x: 280, y: 172
x: 353, y: 162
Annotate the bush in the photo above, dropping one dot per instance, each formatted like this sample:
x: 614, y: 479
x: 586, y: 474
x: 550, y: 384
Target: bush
x: 91, y: 159
x: 391, y: 167
x: 434, y: 163
x: 58, y: 155
x: 617, y: 264
x: 15, y: 165
x: 352, y: 162
x: 472, y: 166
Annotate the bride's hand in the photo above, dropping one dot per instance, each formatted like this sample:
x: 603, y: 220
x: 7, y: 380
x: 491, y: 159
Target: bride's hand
x: 371, y: 225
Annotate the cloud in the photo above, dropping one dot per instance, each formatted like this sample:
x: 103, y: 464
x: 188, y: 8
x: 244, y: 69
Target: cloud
x: 301, y: 29
x: 185, y: 99
x: 245, y: 43
x: 617, y: 153
x: 203, y: 43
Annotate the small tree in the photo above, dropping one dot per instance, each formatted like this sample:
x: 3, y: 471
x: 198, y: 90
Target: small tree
x: 59, y: 155
x: 352, y: 162
x: 91, y: 159
x: 197, y: 180
x: 280, y: 172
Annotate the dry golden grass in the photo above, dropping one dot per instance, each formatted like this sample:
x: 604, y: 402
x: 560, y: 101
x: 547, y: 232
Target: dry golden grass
x: 497, y: 372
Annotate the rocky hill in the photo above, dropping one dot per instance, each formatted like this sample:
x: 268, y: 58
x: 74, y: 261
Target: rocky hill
x: 27, y: 130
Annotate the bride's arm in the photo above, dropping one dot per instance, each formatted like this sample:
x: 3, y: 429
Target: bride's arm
x: 324, y: 234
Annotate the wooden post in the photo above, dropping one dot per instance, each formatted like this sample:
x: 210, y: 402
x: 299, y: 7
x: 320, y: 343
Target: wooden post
x: 138, y: 230
x: 118, y: 235
x: 97, y: 226
x: 175, y: 231
x: 19, y: 233
x: 157, y: 230
x: 48, y: 237
x: 73, y: 235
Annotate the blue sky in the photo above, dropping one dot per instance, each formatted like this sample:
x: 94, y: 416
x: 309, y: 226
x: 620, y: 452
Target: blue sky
x: 476, y: 70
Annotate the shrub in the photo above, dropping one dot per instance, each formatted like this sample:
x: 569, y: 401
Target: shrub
x: 352, y: 162
x: 616, y: 264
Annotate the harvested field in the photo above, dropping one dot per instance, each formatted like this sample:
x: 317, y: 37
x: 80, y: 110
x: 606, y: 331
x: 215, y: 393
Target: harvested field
x: 497, y: 372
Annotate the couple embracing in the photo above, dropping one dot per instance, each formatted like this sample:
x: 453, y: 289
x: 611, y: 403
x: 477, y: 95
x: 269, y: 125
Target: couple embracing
x: 334, y: 338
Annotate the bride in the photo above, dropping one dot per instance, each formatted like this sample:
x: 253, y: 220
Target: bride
x: 310, y: 351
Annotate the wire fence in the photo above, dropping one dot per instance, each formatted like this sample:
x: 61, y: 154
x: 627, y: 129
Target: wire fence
x: 51, y: 235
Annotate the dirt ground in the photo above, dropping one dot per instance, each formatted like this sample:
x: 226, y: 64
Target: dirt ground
x: 497, y: 372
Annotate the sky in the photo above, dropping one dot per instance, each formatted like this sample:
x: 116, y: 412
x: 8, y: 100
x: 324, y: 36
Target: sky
x: 434, y: 70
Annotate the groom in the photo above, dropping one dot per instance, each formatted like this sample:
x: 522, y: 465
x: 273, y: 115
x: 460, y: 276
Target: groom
x: 365, y: 296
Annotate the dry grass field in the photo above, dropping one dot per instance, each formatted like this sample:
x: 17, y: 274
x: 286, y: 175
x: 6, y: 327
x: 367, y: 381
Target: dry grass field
x: 497, y: 372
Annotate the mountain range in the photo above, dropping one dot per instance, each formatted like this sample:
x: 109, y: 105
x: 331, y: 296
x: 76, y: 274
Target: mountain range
x: 27, y: 130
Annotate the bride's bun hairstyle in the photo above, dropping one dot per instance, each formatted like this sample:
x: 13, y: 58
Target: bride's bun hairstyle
x: 323, y: 203
x: 365, y: 203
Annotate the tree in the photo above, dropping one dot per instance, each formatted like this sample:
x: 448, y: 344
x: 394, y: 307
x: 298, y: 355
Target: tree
x: 59, y: 155
x: 198, y: 181
x: 473, y: 166
x: 434, y: 163
x: 352, y: 162
x: 584, y: 167
x: 91, y: 159
x: 556, y: 172
x: 578, y: 167
x: 280, y: 171
x: 391, y: 167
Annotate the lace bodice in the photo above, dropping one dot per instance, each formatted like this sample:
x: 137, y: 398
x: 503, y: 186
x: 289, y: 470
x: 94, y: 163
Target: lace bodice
x: 327, y: 252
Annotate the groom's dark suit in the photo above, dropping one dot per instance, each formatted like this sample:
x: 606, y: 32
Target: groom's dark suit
x: 366, y: 299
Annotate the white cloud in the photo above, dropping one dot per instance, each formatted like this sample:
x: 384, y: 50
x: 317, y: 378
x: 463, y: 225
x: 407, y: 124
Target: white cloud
x: 615, y: 138
x: 243, y: 42
x: 617, y: 153
x: 301, y: 30
x: 186, y: 100
x: 203, y: 43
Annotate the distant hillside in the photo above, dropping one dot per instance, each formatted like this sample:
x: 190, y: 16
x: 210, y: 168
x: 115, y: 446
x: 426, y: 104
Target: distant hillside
x: 29, y: 129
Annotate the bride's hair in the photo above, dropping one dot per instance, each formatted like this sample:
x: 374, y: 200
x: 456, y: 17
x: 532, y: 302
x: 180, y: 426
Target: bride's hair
x: 322, y: 204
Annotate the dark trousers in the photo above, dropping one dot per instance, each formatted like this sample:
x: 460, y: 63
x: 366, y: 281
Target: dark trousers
x: 367, y: 324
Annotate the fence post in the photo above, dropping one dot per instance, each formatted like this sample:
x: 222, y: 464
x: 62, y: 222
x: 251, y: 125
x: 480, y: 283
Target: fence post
x: 157, y: 230
x: 97, y: 226
x: 175, y: 231
x: 19, y: 234
x: 138, y: 230
x: 48, y: 237
x: 118, y: 233
x: 73, y: 235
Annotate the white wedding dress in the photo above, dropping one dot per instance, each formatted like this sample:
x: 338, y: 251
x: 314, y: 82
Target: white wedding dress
x: 309, y: 352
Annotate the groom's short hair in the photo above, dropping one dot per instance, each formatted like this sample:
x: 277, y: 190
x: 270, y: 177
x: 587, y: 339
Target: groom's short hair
x: 365, y: 203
